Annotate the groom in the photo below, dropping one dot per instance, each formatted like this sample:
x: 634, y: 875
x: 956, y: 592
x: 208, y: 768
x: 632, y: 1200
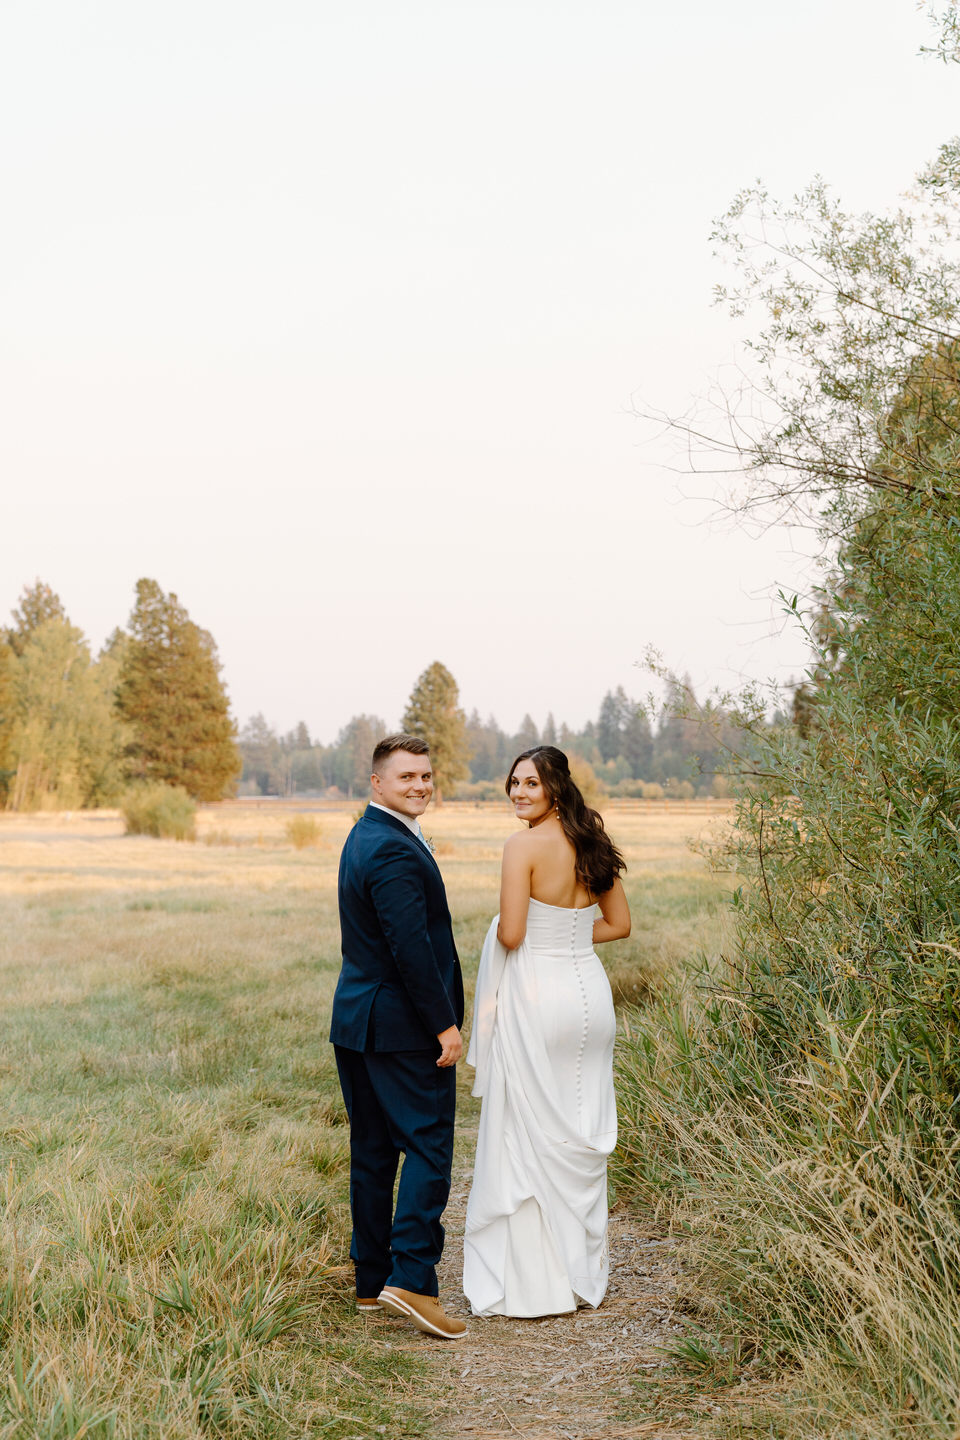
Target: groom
x: 397, y: 1014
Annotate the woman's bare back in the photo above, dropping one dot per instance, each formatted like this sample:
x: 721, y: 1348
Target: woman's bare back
x: 552, y: 861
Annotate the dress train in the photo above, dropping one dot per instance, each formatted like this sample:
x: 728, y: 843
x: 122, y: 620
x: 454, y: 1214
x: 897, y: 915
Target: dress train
x: 542, y: 1045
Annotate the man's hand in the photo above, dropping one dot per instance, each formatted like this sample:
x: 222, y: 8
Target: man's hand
x: 452, y: 1047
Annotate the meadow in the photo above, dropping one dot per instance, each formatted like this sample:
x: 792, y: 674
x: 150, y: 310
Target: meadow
x: 173, y: 1153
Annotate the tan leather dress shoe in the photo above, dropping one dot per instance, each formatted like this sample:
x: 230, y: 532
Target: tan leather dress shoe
x: 425, y: 1311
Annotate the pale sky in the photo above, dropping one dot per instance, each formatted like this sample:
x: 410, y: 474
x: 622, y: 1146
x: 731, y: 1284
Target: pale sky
x: 328, y: 317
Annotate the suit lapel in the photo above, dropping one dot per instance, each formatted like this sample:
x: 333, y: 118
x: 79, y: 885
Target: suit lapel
x: 381, y: 817
x: 427, y: 854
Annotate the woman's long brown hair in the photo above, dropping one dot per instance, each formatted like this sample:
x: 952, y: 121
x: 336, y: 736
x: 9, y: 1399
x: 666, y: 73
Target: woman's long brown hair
x: 598, y: 861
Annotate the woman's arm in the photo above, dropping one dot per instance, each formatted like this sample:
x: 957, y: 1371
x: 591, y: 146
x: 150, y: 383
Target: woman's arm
x: 615, y: 913
x: 514, y: 892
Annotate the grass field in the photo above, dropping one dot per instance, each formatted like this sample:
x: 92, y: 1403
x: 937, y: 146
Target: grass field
x: 172, y: 1146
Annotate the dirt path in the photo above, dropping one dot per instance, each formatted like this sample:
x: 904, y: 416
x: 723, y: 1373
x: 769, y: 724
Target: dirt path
x: 574, y: 1376
x: 564, y: 1376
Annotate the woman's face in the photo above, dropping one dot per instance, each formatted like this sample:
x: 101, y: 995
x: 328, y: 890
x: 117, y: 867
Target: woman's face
x: 530, y: 800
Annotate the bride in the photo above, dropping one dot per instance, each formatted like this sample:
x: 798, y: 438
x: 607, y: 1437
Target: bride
x: 542, y: 1045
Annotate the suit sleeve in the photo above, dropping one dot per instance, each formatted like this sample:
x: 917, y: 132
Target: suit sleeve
x: 399, y: 897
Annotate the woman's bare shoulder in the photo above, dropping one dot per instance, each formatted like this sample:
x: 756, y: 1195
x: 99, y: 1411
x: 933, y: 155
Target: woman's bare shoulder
x: 525, y: 847
x: 535, y: 846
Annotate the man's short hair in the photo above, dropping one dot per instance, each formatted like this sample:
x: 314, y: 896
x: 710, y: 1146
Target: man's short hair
x: 390, y: 744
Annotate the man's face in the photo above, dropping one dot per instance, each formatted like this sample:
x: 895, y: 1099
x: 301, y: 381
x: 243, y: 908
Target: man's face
x: 405, y: 783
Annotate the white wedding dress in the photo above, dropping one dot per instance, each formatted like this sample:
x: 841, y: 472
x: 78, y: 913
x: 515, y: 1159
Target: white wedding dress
x: 542, y: 1045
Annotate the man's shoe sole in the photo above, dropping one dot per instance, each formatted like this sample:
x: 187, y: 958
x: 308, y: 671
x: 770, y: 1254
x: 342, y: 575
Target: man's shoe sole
x: 368, y: 1307
x: 396, y: 1306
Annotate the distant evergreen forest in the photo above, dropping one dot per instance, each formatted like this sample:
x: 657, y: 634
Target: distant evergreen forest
x: 619, y: 753
x: 79, y: 731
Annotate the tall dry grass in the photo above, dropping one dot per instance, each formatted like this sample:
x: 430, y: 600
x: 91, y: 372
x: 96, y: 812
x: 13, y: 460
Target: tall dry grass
x: 806, y: 1095
x: 838, y: 1273
x: 173, y: 1150
x: 173, y: 1157
x: 303, y: 831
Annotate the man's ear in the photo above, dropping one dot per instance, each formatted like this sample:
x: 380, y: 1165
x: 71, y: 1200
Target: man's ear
x: 375, y: 783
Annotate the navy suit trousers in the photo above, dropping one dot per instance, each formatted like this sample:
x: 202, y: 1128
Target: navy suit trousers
x: 399, y: 1102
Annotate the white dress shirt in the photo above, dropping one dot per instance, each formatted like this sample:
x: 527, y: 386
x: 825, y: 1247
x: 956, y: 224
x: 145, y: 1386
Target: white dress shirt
x: 411, y: 821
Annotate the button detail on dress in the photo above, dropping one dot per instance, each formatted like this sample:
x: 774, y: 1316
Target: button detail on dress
x: 586, y: 1013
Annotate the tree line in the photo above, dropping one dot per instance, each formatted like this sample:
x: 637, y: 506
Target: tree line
x: 78, y: 731
x: 621, y: 753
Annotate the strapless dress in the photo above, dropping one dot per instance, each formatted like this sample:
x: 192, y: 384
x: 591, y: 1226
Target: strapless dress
x: 542, y: 1044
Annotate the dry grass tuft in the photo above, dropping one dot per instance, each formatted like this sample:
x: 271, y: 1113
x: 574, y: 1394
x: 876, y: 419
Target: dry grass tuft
x: 839, y: 1276
x: 302, y: 831
x: 163, y: 811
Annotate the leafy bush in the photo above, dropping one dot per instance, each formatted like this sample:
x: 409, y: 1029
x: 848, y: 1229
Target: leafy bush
x: 481, y: 790
x: 801, y: 1114
x: 677, y: 789
x: 803, y: 1118
x: 585, y: 778
x: 302, y: 831
x: 626, y: 790
x: 165, y: 811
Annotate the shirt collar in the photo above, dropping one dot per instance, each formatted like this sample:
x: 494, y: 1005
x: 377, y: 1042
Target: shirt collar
x: 411, y: 822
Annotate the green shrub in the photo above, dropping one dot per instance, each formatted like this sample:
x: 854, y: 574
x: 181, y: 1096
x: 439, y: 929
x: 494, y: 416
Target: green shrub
x: 628, y: 789
x: 585, y: 778
x: 164, y: 811
x: 480, y: 790
x: 799, y: 1110
x: 302, y: 830
x: 802, y: 1117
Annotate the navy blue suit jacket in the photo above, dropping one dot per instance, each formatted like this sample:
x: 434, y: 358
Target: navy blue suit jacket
x: 400, y: 964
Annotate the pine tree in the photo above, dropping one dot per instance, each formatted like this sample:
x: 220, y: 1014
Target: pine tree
x: 433, y: 713
x: 37, y: 604
x: 64, y: 736
x: 171, y: 696
x: 261, y: 753
x: 609, y: 725
x: 637, y: 745
x: 527, y: 736
x: 484, y: 742
x: 354, y: 753
x: 7, y: 663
